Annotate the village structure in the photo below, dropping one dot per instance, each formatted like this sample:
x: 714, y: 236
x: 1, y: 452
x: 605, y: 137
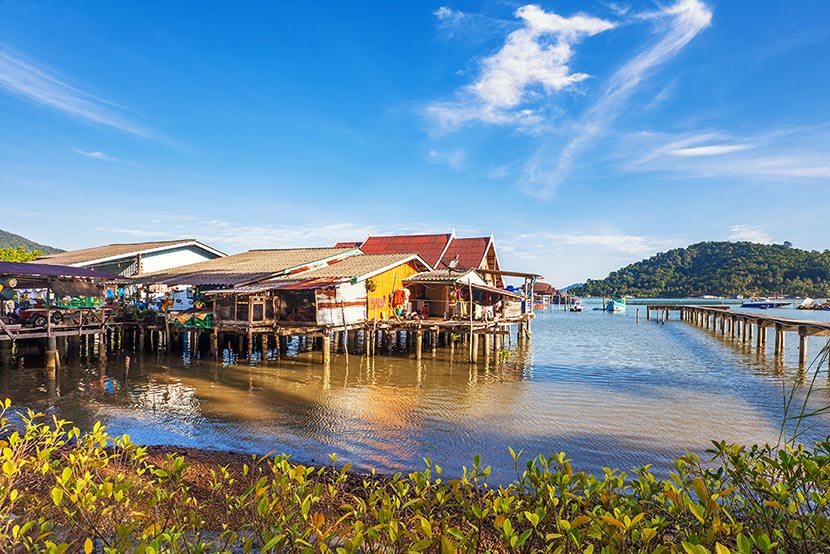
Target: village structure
x: 412, y: 293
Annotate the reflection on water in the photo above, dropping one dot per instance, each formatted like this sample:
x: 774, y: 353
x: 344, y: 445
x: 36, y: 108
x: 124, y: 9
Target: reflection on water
x: 603, y: 388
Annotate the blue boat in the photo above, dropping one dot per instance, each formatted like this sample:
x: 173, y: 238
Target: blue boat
x: 764, y: 303
x: 615, y: 304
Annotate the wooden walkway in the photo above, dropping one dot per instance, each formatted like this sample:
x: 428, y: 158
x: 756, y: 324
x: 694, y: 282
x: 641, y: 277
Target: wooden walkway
x: 743, y: 325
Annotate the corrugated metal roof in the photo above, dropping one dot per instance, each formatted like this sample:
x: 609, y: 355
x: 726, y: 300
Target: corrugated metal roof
x: 470, y: 252
x: 361, y: 266
x: 429, y: 247
x: 87, y: 255
x: 50, y: 270
x: 247, y: 267
x: 443, y: 275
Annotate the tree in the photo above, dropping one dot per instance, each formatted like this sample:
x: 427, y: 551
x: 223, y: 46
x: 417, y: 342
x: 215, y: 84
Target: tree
x: 18, y: 254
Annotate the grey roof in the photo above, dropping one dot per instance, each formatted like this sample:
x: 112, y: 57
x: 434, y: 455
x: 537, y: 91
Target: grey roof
x: 364, y: 265
x: 247, y: 267
x: 101, y: 253
x: 443, y: 275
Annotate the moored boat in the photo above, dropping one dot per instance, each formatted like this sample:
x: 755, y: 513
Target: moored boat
x: 764, y: 303
x: 615, y: 304
x: 576, y: 306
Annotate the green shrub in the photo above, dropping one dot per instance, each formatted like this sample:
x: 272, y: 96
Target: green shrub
x: 66, y: 491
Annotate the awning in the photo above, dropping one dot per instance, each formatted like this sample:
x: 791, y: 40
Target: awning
x: 280, y: 284
x: 74, y: 288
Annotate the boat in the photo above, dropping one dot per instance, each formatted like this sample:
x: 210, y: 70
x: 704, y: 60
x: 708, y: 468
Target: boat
x: 764, y: 303
x: 615, y: 304
x: 576, y: 306
x: 807, y: 304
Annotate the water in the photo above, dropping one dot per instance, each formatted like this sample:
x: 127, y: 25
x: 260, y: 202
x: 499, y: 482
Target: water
x: 601, y: 387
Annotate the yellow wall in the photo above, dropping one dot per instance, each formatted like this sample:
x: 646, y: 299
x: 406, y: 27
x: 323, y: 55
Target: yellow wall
x: 385, y: 283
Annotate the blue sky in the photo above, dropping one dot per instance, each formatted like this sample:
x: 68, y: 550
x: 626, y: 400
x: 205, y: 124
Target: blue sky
x: 584, y: 134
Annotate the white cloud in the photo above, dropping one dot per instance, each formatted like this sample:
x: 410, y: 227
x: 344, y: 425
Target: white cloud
x: 534, y: 56
x: 38, y: 84
x: 681, y: 22
x: 573, y: 256
x: 498, y: 172
x: 95, y: 155
x: 619, y: 9
x: 710, y: 150
x: 455, y: 158
x: 778, y: 155
x: 751, y: 233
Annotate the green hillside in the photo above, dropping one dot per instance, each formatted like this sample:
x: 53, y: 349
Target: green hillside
x: 10, y: 240
x: 723, y: 269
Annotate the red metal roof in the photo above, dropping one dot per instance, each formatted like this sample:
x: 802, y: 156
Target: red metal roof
x: 470, y: 252
x: 429, y: 247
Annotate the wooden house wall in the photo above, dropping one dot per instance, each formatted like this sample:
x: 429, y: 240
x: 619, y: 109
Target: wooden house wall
x: 384, y: 284
x: 346, y: 301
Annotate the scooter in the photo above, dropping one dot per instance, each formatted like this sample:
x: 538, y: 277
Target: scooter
x: 36, y: 317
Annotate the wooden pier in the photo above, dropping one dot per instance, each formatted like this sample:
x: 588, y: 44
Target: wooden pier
x: 746, y: 326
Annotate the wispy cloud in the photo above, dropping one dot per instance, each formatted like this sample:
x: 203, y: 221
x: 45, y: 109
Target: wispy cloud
x: 780, y: 154
x: 40, y: 85
x: 95, y: 155
x: 751, y: 233
x: 680, y: 23
x: 710, y: 150
x: 456, y: 158
x: 533, y: 57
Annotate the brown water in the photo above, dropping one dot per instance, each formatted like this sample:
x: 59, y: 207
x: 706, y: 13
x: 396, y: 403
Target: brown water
x: 605, y: 389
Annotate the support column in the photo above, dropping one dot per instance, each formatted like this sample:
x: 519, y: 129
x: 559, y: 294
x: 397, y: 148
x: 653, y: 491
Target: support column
x: 419, y: 343
x: 473, y: 347
x: 326, y: 349
x: 263, y: 340
x: 802, y: 347
x: 5, y: 353
x: 779, y: 340
x: 52, y: 358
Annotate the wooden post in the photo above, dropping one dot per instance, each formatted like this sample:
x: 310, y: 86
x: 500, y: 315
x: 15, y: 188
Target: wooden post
x: 802, y: 346
x: 473, y: 347
x: 779, y: 340
x: 52, y: 360
x: 326, y: 348
x: 419, y: 343
x: 263, y: 339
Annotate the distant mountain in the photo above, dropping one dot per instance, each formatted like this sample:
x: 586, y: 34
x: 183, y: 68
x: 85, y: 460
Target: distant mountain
x: 720, y: 268
x: 569, y: 287
x: 10, y: 240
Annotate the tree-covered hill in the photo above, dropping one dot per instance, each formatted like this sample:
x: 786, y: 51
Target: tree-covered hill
x: 10, y: 240
x: 720, y: 268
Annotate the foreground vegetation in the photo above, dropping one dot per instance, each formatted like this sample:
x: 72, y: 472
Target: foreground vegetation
x: 721, y: 268
x: 64, y: 491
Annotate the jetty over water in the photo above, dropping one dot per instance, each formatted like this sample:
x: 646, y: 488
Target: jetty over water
x: 744, y: 326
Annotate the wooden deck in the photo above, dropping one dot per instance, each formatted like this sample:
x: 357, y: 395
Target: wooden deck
x: 743, y: 325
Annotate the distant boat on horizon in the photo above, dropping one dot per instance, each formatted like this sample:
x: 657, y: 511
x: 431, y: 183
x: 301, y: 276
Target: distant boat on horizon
x: 764, y: 303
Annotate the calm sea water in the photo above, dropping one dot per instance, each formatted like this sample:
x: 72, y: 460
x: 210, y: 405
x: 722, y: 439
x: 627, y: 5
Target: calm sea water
x: 605, y: 389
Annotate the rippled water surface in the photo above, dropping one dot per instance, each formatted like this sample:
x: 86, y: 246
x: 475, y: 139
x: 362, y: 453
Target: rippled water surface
x: 604, y: 388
